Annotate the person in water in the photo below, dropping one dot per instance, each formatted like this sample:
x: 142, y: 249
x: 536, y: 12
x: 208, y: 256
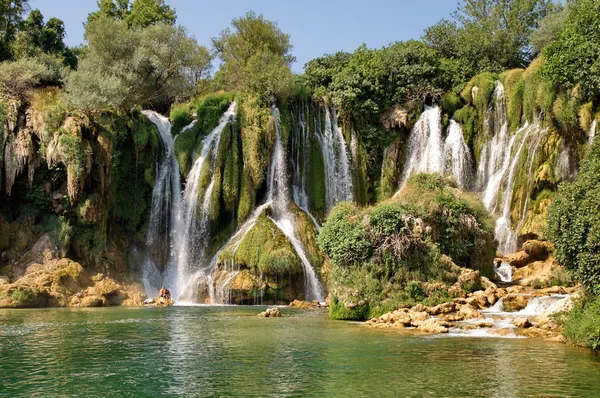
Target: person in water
x: 167, y: 294
x: 161, y: 293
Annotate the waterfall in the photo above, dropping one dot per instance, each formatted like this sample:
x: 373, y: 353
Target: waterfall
x: 425, y: 145
x: 165, y: 214
x: 191, y: 248
x: 504, y: 272
x: 592, y: 132
x: 428, y: 152
x: 338, y: 176
x: 278, y: 195
x: 457, y: 156
x: 179, y: 227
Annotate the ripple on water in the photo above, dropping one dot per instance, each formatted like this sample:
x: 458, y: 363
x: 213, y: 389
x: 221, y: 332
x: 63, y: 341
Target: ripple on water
x: 229, y: 351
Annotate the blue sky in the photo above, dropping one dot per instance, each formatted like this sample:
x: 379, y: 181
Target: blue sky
x: 316, y: 27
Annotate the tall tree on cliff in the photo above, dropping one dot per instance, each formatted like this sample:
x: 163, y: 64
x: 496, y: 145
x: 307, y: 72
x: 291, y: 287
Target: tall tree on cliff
x: 11, y: 17
x: 138, y: 15
x: 256, y: 57
x: 489, y: 35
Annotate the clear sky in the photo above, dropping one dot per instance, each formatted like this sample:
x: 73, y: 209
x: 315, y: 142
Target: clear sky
x: 316, y: 27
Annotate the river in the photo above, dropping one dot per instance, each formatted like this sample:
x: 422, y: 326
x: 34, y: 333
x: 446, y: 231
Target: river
x: 228, y: 351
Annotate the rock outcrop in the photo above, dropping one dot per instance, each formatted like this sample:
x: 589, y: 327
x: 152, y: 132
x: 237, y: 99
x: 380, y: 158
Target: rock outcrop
x: 64, y: 283
x: 270, y: 313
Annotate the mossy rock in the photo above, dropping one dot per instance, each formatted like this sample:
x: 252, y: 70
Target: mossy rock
x: 266, y: 249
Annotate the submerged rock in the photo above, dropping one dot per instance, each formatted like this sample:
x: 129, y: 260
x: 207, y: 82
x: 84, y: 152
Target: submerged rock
x: 521, y: 322
x: 270, y: 313
x: 162, y: 302
x: 300, y: 304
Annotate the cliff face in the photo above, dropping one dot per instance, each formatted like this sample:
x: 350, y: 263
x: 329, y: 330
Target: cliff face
x: 71, y: 185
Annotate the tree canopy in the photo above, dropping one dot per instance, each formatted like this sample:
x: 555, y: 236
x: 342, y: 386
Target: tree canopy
x: 489, y: 35
x: 139, y: 14
x: 256, y: 57
x: 573, y: 58
x: 121, y: 67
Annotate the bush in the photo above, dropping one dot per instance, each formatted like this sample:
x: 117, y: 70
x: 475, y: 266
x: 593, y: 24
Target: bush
x: 18, y: 78
x: 582, y: 324
x: 574, y: 222
x: 180, y: 117
x: 209, y: 111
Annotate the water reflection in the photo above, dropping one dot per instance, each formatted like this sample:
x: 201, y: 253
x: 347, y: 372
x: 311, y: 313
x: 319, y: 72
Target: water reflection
x: 199, y: 351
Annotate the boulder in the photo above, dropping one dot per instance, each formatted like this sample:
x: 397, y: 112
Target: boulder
x: 487, y: 283
x: 467, y: 311
x: 417, y: 316
x: 515, y: 302
x: 270, y: 313
x: 518, y: 259
x: 300, y: 304
x: 444, y: 308
x: 162, y: 302
x: 431, y: 325
x: 521, y: 322
x: 538, y: 250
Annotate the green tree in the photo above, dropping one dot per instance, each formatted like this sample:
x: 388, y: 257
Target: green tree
x: 573, y: 58
x: 256, y: 57
x: 489, y: 35
x: 121, y: 68
x: 139, y: 14
x: 37, y: 36
x: 574, y: 222
x: 11, y: 16
x: 550, y: 26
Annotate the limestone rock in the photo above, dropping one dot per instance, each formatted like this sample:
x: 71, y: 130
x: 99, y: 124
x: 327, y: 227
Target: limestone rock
x: 521, y: 322
x: 467, y: 311
x: 444, y: 308
x: 515, y: 302
x: 162, y: 302
x: 518, y: 259
x: 417, y: 316
x: 300, y: 304
x: 538, y: 250
x: 270, y: 313
x: 431, y: 325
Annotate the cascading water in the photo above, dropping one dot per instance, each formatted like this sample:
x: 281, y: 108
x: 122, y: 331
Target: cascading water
x: 457, y: 156
x: 425, y: 145
x: 165, y: 215
x: 178, y: 226
x: 338, y: 175
x: 191, y: 249
x: 278, y: 195
x: 592, y: 132
x: 428, y: 152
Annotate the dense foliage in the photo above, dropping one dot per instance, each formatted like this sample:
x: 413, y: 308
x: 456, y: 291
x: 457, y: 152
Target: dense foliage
x: 381, y: 254
x: 136, y: 14
x: 573, y: 57
x: 574, y: 222
x: 489, y: 35
x: 121, y: 67
x: 256, y: 57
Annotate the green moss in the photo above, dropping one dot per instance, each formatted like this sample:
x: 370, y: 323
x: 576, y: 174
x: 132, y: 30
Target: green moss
x: 266, y: 249
x: 565, y: 111
x: 258, y: 138
x: 247, y: 197
x: 180, y: 117
x: 337, y: 310
x: 184, y: 146
x: 450, y: 103
x: 316, y: 188
x: 231, y: 172
x: 210, y: 109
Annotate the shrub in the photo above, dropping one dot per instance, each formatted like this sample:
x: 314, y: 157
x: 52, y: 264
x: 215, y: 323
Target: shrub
x: 18, y: 78
x: 180, y: 117
x: 574, y: 222
x: 582, y: 324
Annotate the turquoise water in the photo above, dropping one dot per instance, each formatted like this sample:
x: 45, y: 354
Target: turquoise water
x: 227, y: 351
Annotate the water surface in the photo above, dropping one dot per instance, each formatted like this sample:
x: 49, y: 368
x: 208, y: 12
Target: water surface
x: 228, y: 351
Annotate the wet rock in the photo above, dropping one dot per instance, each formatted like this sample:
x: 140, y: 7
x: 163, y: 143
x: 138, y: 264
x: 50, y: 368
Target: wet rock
x: 480, y: 299
x: 162, y: 302
x: 469, y: 279
x: 467, y: 311
x: 444, y: 308
x: 515, y: 302
x: 521, y: 322
x: 488, y: 284
x: 300, y: 304
x: 538, y: 250
x: 270, y: 313
x: 431, y: 325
